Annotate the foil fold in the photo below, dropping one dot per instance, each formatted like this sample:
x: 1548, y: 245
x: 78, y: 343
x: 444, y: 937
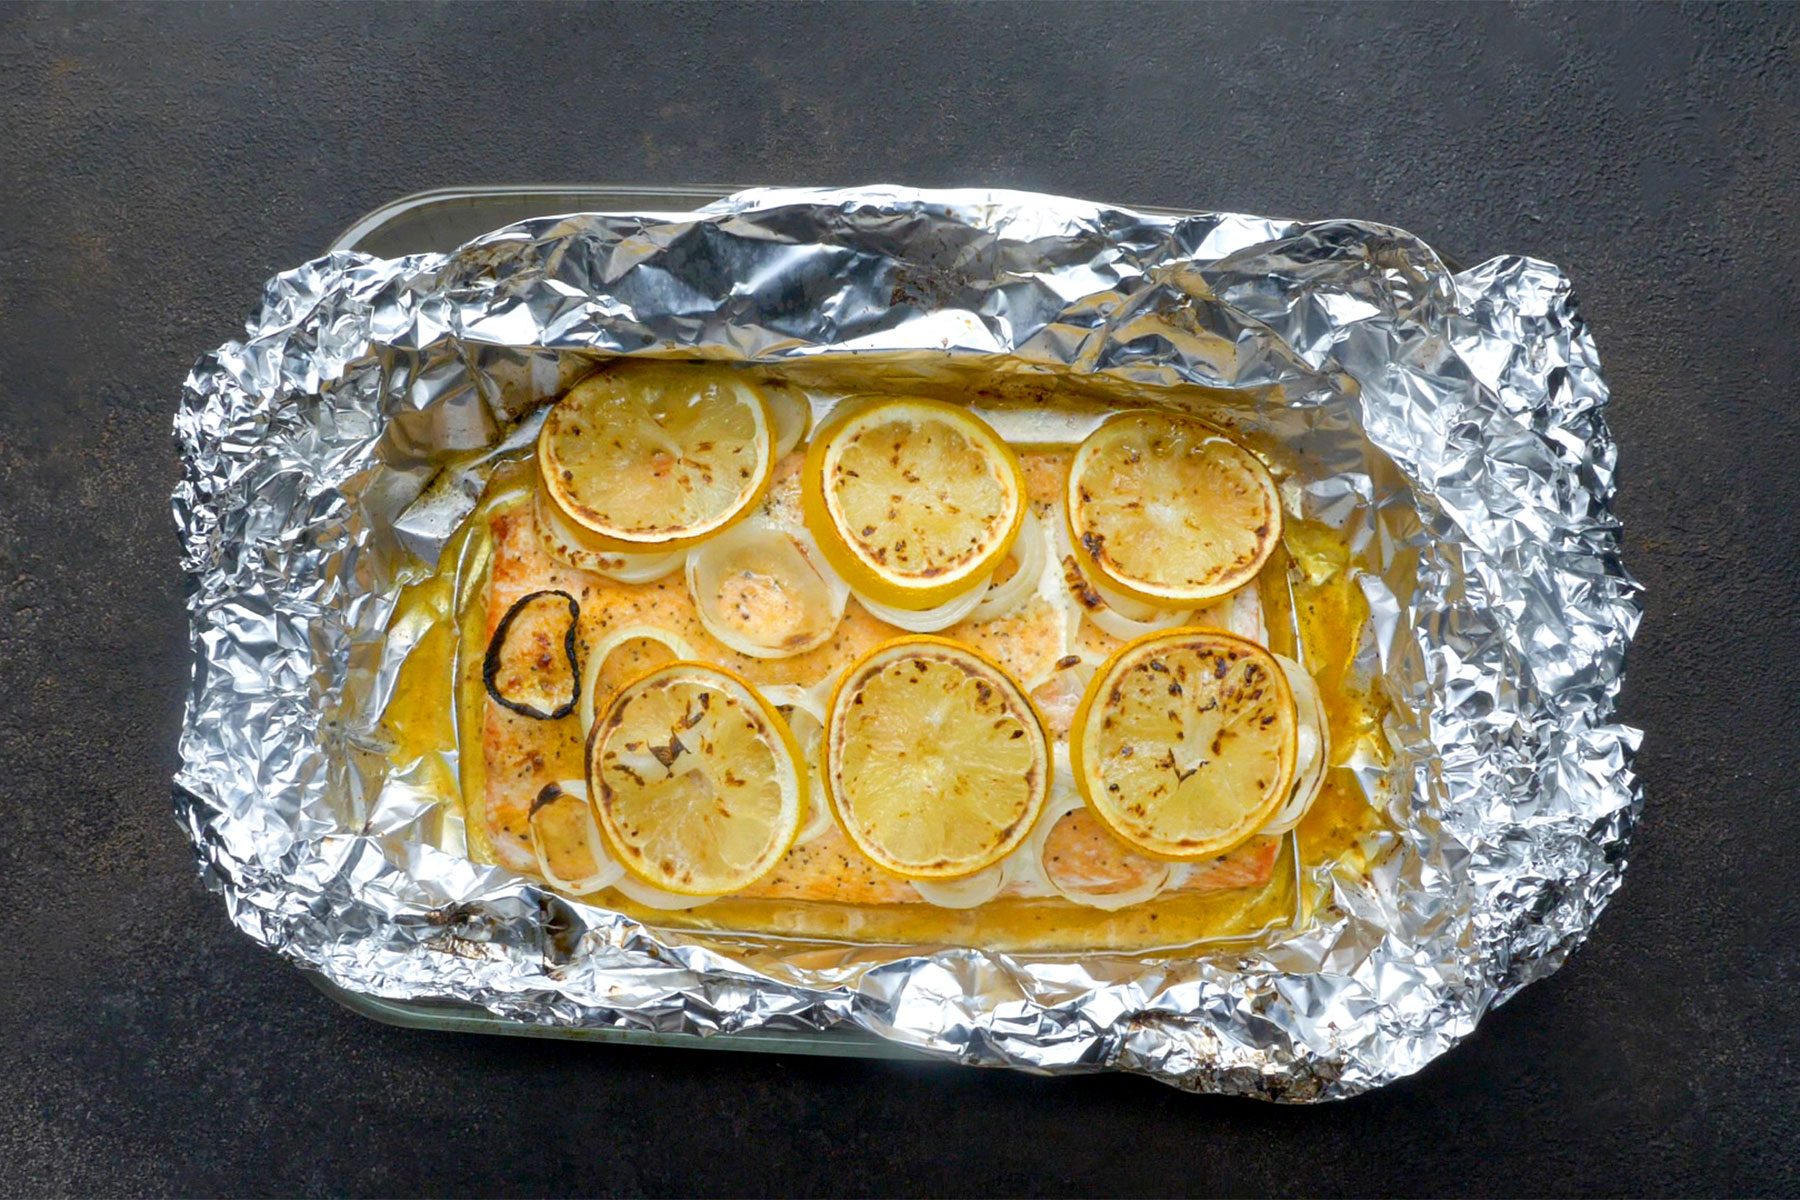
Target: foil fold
x: 1455, y: 417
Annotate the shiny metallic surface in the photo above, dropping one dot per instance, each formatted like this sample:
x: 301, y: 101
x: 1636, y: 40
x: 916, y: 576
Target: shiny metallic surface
x: 1453, y: 420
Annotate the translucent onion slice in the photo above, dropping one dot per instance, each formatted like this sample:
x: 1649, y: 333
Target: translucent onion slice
x: 792, y: 416
x: 566, y: 842
x: 1058, y: 692
x: 926, y: 620
x: 1062, y: 767
x: 1024, y: 871
x: 1313, y: 754
x: 968, y: 892
x: 762, y: 591
x: 561, y: 542
x: 1241, y: 613
x: 1247, y: 619
x: 804, y: 711
x: 1020, y: 875
x: 1053, y: 591
x: 1114, y: 622
x: 794, y: 700
x: 1029, y: 552
x: 591, y: 684
x: 644, y: 568
x: 1063, y: 801
x: 650, y: 897
x: 1125, y: 606
x: 1115, y: 614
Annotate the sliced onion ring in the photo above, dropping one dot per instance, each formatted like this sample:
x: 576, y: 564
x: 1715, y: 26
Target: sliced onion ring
x: 1029, y: 551
x: 590, y: 670
x: 792, y: 416
x: 968, y: 892
x: 1125, y: 606
x: 800, y: 578
x: 808, y: 733
x: 792, y: 695
x: 819, y: 818
x: 561, y: 543
x: 1239, y: 612
x: 926, y: 620
x: 1063, y: 801
x: 639, y: 892
x: 1247, y: 618
x: 1062, y: 767
x: 1314, y: 751
x: 1074, y: 672
x: 1119, y: 615
x: 557, y: 796
x: 1113, y: 623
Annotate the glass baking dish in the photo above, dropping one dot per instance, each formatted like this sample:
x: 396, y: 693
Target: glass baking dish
x: 438, y: 221
x: 444, y: 218
x: 441, y: 220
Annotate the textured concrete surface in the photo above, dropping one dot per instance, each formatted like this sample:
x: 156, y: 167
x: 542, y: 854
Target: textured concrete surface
x: 159, y: 162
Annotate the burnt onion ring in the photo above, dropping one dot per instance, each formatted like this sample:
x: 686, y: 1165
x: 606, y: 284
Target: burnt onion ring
x: 491, y: 663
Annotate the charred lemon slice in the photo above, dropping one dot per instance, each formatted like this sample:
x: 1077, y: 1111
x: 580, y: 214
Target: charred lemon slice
x: 914, y: 502
x: 697, y: 785
x: 935, y: 761
x: 1169, y: 510
x: 1185, y: 742
x: 656, y: 456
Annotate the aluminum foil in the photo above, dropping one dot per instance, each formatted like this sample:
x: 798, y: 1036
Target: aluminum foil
x: 1454, y: 421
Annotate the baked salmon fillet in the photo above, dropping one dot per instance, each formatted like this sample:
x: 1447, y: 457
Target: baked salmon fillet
x: 522, y: 755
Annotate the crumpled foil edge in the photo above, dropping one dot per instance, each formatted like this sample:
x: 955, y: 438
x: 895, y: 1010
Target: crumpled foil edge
x: 305, y: 443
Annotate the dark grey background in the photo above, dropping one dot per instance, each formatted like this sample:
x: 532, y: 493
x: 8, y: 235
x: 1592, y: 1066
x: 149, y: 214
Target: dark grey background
x: 156, y: 163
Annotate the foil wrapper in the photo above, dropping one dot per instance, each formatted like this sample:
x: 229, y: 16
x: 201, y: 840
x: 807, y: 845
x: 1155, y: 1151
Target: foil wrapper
x: 1454, y: 417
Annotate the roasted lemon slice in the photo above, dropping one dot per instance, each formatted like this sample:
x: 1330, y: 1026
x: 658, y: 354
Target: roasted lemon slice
x: 656, y: 456
x: 1169, y: 510
x: 697, y: 784
x: 1185, y: 742
x: 935, y: 761
x: 914, y: 502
